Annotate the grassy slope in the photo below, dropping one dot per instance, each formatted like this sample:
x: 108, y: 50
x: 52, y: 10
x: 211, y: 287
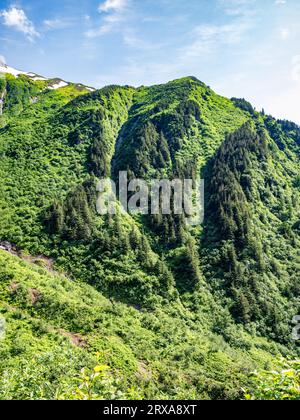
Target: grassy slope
x: 167, y: 353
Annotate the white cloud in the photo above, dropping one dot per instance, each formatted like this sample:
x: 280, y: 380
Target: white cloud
x: 58, y: 23
x: 109, y: 24
x: 132, y: 40
x: 112, y: 6
x: 280, y: 2
x: 17, y: 19
x: 2, y: 59
x: 227, y: 34
x: 209, y: 37
x: 238, y: 7
x: 116, y: 13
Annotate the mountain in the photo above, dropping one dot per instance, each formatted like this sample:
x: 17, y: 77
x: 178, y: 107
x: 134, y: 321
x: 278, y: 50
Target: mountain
x: 51, y: 83
x: 174, y: 311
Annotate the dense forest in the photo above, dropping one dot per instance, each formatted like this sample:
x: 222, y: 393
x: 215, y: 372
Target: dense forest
x: 130, y: 306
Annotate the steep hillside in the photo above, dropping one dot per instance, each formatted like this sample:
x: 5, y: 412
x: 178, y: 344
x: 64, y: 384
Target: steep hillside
x: 56, y: 326
x: 194, y: 303
x: 252, y: 223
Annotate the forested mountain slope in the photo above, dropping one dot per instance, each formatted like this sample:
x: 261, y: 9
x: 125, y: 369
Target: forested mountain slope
x: 215, y: 301
x: 56, y: 327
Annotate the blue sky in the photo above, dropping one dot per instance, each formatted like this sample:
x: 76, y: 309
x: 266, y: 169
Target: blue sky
x: 243, y: 48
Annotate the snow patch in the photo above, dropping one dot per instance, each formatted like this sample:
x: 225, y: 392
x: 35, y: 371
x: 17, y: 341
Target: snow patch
x: 58, y: 85
x: 10, y: 70
x: 36, y: 77
x: 14, y: 72
x: 55, y: 84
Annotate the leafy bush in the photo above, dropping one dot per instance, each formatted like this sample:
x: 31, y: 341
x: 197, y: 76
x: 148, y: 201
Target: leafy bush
x: 278, y: 384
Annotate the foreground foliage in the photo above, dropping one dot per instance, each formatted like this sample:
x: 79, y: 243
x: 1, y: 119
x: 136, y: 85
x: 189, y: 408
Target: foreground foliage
x: 277, y: 385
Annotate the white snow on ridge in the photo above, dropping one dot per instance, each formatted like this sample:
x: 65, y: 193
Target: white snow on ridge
x: 36, y: 77
x: 53, y: 85
x: 58, y: 85
x: 10, y: 70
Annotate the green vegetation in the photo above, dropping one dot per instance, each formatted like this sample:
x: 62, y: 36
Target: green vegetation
x: 277, y: 385
x: 130, y: 306
x: 56, y: 327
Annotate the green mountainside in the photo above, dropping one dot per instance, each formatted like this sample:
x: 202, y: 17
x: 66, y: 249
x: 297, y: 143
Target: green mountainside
x: 163, y: 310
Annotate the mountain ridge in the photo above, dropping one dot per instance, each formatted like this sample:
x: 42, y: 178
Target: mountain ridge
x: 231, y: 283
x: 54, y: 82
